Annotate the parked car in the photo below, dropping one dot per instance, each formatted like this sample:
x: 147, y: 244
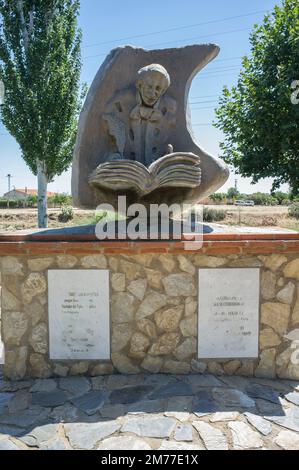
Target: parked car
x: 244, y: 202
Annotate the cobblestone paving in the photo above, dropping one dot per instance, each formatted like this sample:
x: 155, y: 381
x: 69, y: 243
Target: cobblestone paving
x: 191, y: 412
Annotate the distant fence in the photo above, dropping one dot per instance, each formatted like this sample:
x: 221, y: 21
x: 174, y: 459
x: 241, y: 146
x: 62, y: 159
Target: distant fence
x: 21, y: 204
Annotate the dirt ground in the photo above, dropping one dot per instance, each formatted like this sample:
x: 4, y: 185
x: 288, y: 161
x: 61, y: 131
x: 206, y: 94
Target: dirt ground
x: 259, y: 216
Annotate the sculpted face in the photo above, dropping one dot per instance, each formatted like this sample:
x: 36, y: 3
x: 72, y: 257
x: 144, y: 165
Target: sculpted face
x: 151, y: 87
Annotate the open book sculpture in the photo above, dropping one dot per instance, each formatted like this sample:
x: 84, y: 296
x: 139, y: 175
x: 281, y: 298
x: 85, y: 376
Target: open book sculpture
x: 173, y: 171
x: 135, y: 135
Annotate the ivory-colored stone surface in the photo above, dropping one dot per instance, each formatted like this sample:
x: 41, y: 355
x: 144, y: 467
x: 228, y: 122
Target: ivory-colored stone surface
x: 292, y: 269
x: 268, y: 284
x: 273, y: 262
x: 276, y: 315
x: 268, y: 338
x: 286, y: 295
x: 295, y: 314
x: 139, y: 345
x: 39, y: 264
x: 153, y: 318
x: 168, y: 320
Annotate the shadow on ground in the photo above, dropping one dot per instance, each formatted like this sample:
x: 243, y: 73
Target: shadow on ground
x: 150, y: 412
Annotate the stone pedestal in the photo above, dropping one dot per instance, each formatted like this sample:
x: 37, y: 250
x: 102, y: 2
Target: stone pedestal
x: 153, y: 302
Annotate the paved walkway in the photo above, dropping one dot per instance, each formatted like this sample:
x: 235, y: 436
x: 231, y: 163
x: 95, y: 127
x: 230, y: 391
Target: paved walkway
x: 192, y: 412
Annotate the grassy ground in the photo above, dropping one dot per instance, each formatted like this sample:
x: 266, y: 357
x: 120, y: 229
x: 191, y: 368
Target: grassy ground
x: 259, y: 216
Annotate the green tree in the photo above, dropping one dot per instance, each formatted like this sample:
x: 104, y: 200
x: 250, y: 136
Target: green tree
x: 217, y: 197
x: 281, y: 197
x: 40, y: 64
x: 257, y: 116
x: 32, y: 200
x: 264, y: 199
x: 232, y: 193
x: 61, y: 199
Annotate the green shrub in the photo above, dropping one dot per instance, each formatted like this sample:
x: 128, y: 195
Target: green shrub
x: 218, y: 197
x: 294, y: 210
x: 66, y: 214
x: 213, y: 215
x: 12, y: 204
x: 285, y: 202
x: 31, y: 200
x: 60, y: 199
x: 281, y: 197
x: 3, y: 203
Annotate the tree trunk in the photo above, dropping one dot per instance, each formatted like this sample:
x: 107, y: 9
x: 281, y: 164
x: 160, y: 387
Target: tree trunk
x: 42, y: 207
x: 20, y: 6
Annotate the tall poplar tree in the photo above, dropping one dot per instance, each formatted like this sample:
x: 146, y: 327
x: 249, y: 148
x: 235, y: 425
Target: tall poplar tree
x: 40, y: 64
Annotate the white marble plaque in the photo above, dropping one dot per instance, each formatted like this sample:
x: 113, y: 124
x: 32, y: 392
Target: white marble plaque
x: 228, y: 313
x: 79, y: 323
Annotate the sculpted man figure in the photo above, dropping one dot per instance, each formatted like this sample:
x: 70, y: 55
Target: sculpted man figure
x: 149, y: 113
x: 139, y: 123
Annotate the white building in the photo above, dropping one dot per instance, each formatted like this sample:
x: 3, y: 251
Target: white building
x: 22, y: 194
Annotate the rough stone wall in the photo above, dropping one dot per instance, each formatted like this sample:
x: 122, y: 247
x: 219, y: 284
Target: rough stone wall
x: 1, y: 344
x: 153, y: 315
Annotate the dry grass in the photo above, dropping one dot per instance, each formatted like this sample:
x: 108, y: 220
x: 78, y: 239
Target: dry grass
x: 259, y: 216
x: 25, y: 219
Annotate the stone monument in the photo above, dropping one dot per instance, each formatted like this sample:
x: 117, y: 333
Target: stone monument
x: 74, y: 305
x: 135, y: 135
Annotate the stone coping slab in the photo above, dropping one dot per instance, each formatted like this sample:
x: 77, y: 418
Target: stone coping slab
x: 211, y: 231
x: 219, y: 239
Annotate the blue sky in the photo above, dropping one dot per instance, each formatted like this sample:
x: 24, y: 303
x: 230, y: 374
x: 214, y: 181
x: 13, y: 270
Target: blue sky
x: 106, y: 25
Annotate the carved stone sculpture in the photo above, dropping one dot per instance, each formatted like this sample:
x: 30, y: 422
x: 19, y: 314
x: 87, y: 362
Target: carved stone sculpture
x: 140, y: 119
x: 135, y: 135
